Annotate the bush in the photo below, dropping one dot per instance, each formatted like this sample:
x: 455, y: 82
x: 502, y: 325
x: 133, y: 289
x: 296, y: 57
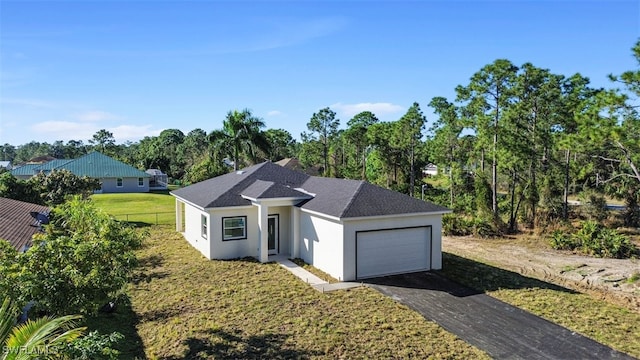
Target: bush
x: 457, y: 225
x: 561, y: 241
x: 594, y: 239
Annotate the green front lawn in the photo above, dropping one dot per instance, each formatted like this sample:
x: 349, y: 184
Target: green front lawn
x: 185, y: 306
x: 139, y: 208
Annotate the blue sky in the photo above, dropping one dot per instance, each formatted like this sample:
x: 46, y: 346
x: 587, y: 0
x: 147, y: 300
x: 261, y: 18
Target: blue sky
x: 68, y: 69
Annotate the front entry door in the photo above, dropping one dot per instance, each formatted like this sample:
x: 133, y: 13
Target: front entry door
x: 273, y: 234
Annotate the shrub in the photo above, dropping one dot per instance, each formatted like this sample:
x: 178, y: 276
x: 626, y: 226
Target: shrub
x: 594, y: 239
x: 457, y: 225
x: 559, y: 240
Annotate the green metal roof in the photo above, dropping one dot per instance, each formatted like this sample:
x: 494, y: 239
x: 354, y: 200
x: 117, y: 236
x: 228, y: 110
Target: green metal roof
x: 98, y: 165
x: 46, y: 167
x: 25, y: 170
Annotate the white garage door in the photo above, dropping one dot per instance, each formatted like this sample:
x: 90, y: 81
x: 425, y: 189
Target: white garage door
x: 393, y: 251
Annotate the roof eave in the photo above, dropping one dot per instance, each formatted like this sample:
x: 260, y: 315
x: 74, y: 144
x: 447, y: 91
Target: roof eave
x: 390, y: 216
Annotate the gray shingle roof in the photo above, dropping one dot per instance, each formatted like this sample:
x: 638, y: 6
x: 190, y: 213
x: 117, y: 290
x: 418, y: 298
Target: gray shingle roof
x: 16, y: 224
x: 269, y: 190
x: 335, y: 197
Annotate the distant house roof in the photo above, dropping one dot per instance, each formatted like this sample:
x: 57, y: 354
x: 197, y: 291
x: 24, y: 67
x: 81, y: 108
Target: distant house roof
x: 335, y: 197
x: 25, y: 170
x: 40, y: 159
x: 16, y: 224
x: 98, y: 165
x: 5, y: 164
x: 294, y: 164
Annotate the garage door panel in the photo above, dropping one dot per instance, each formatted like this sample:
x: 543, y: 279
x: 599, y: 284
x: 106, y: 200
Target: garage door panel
x: 392, y: 251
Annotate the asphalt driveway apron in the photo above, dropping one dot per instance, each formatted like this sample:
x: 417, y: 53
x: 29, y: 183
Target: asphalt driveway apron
x: 502, y: 330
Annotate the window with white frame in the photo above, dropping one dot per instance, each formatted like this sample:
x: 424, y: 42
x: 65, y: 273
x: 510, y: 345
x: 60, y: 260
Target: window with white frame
x: 140, y: 182
x: 204, y: 227
x: 234, y: 228
x: 119, y: 182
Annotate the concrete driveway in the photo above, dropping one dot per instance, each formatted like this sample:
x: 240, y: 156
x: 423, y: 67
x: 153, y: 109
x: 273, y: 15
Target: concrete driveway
x: 502, y: 330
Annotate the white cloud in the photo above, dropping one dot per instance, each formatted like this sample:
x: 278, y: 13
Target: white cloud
x: 133, y: 132
x: 274, y: 113
x: 94, y: 116
x: 65, y: 130
x: 73, y: 130
x: 378, y: 109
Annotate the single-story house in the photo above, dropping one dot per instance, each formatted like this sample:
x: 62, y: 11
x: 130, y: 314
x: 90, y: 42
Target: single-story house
x: 350, y: 229
x: 25, y: 171
x: 17, y: 226
x: 114, y: 175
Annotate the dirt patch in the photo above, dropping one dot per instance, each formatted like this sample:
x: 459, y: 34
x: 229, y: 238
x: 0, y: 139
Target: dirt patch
x: 611, y: 279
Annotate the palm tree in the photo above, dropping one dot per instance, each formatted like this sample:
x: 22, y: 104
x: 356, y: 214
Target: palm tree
x: 241, y: 134
x: 35, y: 339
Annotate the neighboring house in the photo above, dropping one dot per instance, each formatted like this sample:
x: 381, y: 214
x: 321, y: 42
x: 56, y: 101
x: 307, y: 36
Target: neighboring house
x: 157, y: 180
x: 25, y: 172
x: 294, y: 164
x: 17, y: 226
x: 115, y: 176
x: 350, y: 229
x: 5, y: 165
x: 430, y: 169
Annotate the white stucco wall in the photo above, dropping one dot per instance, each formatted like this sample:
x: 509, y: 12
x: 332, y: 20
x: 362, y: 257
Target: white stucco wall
x: 322, y: 244
x: 231, y: 249
x: 192, y: 230
x: 351, y: 226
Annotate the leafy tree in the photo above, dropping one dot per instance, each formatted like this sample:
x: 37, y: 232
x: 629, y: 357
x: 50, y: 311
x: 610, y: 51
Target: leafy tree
x: 487, y: 96
x: 13, y: 188
x: 58, y: 185
x: 445, y: 143
x: 32, y: 150
x: 356, y: 134
x: 103, y: 141
x: 35, y: 339
x: 408, y: 137
x: 241, y: 135
x: 83, y: 260
x: 323, y: 128
x: 281, y: 144
x: 7, y: 152
x: 193, y: 149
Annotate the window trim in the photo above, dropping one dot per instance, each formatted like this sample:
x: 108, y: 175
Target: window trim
x: 119, y: 182
x: 204, y: 226
x: 140, y: 182
x: 244, y: 218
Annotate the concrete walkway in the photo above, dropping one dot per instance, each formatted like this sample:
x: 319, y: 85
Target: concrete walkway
x: 502, y: 330
x: 309, y: 278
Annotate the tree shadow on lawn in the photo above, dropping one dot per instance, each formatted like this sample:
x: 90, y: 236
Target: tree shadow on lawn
x: 220, y: 344
x: 463, y: 277
x: 124, y: 321
x: 145, y: 272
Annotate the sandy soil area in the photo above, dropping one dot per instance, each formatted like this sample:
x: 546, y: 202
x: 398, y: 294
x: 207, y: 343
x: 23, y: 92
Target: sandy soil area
x: 604, y: 278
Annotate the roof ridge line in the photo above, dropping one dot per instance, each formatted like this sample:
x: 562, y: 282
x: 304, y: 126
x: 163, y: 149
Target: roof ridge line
x: 353, y: 198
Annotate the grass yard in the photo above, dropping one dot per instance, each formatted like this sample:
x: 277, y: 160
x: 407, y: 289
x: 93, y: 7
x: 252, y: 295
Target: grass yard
x: 142, y: 209
x: 607, y: 323
x: 185, y: 306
